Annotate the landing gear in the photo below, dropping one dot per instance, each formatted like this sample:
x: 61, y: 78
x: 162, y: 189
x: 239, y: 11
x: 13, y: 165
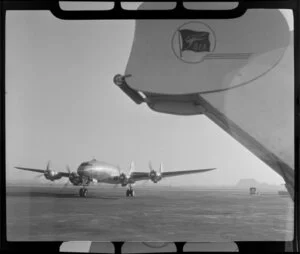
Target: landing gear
x: 129, y: 191
x: 83, y: 192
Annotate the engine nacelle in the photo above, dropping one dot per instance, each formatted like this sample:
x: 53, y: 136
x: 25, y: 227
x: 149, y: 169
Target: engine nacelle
x: 52, y: 175
x: 154, y: 176
x: 123, y: 179
x: 75, y: 179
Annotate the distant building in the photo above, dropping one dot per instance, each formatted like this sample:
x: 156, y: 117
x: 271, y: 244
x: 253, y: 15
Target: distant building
x: 252, y: 190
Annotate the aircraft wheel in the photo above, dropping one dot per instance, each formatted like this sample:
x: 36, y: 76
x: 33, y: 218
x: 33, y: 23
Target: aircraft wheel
x: 83, y: 192
x: 129, y: 193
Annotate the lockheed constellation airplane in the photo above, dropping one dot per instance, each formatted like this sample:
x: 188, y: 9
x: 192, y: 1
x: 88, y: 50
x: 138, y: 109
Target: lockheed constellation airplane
x: 102, y: 172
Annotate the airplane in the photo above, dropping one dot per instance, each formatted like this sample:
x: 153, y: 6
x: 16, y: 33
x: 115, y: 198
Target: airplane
x: 101, y: 172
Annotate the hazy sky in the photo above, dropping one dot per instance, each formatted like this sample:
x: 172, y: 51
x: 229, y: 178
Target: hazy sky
x: 61, y: 105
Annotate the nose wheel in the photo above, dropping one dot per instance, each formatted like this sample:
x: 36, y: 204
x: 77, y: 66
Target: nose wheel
x: 83, y: 192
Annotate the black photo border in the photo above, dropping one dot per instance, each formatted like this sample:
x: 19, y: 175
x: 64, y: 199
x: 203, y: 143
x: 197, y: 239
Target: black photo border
x: 178, y: 13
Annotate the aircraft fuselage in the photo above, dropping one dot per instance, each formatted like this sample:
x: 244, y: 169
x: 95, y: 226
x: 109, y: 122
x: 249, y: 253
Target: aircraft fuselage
x: 99, y: 171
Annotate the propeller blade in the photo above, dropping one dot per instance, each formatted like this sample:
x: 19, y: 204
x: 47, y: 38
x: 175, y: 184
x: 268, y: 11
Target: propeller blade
x: 118, y: 167
x: 68, y: 169
x: 150, y: 166
x: 161, y: 168
x: 131, y: 168
x: 48, y: 166
x: 145, y: 182
x: 39, y: 176
x: 66, y: 184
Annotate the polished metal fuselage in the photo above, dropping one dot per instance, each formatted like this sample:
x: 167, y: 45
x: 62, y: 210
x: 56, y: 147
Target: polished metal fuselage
x: 99, y: 171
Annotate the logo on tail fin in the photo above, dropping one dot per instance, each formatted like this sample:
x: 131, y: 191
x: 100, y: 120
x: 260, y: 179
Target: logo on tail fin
x: 192, y: 41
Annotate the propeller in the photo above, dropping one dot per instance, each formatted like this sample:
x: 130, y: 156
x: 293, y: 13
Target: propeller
x: 48, y: 166
x: 161, y: 169
x: 145, y: 182
x: 125, y: 176
x: 68, y: 181
x: 155, y: 176
x: 131, y: 169
x: 45, y: 171
x: 150, y: 166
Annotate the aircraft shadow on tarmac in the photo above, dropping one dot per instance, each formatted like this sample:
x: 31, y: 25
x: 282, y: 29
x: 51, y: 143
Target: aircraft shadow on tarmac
x: 59, y: 195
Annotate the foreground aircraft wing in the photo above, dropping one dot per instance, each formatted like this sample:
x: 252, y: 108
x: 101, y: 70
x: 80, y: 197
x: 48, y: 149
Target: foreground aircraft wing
x: 63, y: 174
x: 138, y: 176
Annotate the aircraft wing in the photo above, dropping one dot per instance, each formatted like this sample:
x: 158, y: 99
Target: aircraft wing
x: 138, y: 176
x: 185, y: 172
x: 65, y: 174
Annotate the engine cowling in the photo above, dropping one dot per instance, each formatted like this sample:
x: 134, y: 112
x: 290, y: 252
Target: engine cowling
x: 123, y: 179
x: 154, y: 176
x: 75, y: 179
x: 52, y: 175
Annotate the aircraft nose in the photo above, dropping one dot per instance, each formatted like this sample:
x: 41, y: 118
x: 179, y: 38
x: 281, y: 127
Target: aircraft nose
x: 84, y: 171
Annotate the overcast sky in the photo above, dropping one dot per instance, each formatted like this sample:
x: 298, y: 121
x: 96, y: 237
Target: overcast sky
x: 61, y: 105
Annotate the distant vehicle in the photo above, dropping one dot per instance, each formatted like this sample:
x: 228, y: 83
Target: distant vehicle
x: 102, y: 172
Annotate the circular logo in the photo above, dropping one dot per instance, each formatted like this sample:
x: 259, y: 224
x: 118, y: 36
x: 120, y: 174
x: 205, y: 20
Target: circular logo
x: 192, y: 41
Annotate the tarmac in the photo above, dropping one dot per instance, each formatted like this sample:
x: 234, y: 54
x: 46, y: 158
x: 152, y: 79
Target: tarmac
x: 156, y: 213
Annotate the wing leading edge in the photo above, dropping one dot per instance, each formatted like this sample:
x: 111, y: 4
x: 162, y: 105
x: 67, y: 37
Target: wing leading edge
x: 63, y: 174
x: 185, y: 172
x: 138, y: 176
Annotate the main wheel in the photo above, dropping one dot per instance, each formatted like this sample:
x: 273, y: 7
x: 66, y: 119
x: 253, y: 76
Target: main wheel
x: 83, y: 192
x: 129, y: 193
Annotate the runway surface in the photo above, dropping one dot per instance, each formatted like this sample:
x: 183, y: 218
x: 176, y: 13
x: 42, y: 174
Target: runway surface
x: 155, y: 214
